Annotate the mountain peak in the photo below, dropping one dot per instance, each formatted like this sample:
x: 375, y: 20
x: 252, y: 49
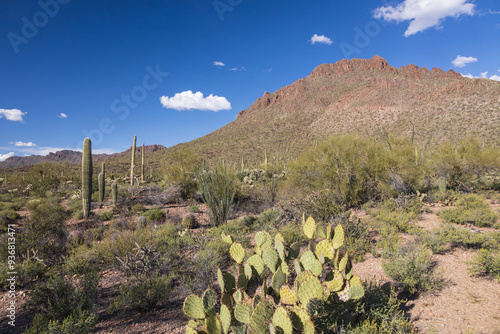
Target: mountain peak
x: 352, y: 65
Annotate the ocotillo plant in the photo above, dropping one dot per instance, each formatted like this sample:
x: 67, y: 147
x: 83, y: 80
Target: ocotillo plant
x: 133, y: 162
x: 114, y: 193
x: 87, y: 177
x: 142, y: 165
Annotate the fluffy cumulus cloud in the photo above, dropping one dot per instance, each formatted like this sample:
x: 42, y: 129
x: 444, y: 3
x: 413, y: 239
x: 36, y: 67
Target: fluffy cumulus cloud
x: 188, y: 100
x: 424, y: 14
x: 484, y: 75
x: 14, y: 115
x: 461, y: 61
x: 219, y: 63
x: 6, y: 156
x: 22, y: 144
x: 320, y: 39
x: 62, y: 115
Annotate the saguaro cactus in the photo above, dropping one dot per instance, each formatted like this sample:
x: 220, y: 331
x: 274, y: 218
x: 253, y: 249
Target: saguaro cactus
x: 133, y: 162
x: 87, y: 177
x: 142, y: 165
x: 114, y: 193
x: 102, y: 184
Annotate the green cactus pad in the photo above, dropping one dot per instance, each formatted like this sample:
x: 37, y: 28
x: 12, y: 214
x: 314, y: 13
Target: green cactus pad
x: 238, y: 296
x: 338, y: 237
x: 343, y: 262
x: 238, y: 327
x: 225, y: 318
x: 287, y: 295
x: 190, y: 330
x: 237, y: 252
x: 209, y: 299
x: 226, y: 238
x: 256, y: 262
x: 242, y: 282
x: 294, y: 251
x: 310, y: 289
x: 309, y: 327
x: 320, y: 231
x: 243, y: 313
x: 279, y: 237
x: 309, y: 262
x: 355, y: 280
x: 334, y: 281
x: 213, y: 324
x: 329, y: 232
x: 280, y: 248
x: 261, y: 317
x: 193, y: 324
x: 271, y: 259
x: 356, y: 291
x: 284, y: 268
x: 193, y: 307
x: 263, y: 239
x: 298, y: 269
x: 304, y: 276
x: 303, y: 316
x: 258, y: 250
x: 309, y: 227
x: 282, y: 321
x: 324, y: 248
x: 227, y: 282
x: 248, y: 271
x: 279, y: 278
x: 227, y: 300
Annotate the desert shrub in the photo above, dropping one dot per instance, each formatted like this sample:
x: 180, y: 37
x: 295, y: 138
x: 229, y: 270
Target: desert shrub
x: 78, y: 215
x: 136, y: 208
x: 179, y: 171
x: 323, y: 205
x: 44, y: 231
x: 154, y: 214
x: 466, y: 163
x: 188, y: 221
x: 293, y: 233
x: 380, y: 311
x: 470, y: 209
x: 79, y: 322
x: 59, y: 298
x: 248, y: 220
x: 107, y: 215
x: 412, y: 267
x: 268, y: 218
x: 218, y: 186
x: 28, y: 271
x: 81, y: 260
x: 17, y: 204
x: 205, y: 264
x: 193, y: 208
x: 144, y: 295
x: 486, y: 262
x: 7, y: 216
x: 399, y: 213
x: 357, y: 237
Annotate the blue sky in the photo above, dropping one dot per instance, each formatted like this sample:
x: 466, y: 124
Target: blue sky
x: 173, y: 70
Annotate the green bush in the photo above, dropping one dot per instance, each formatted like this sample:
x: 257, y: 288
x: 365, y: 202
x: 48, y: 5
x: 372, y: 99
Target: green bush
x: 399, y: 215
x: 7, y: 216
x: 180, y: 169
x: 107, y: 215
x: 411, y: 266
x: 136, y: 208
x: 154, y: 214
x: 78, y: 322
x: 144, y: 295
x: 78, y: 215
x: 486, y: 262
x: 470, y: 209
x: 205, y: 264
x: 193, y: 208
x: 218, y: 186
x: 60, y: 298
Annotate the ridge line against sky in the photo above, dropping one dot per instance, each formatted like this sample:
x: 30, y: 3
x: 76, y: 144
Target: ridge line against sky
x: 171, y: 72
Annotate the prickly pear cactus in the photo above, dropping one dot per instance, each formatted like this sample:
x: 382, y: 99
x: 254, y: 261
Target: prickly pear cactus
x: 277, y: 289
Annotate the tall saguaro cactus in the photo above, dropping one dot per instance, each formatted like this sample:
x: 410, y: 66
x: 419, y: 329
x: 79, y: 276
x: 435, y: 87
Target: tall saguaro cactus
x: 87, y: 177
x: 114, y: 193
x: 133, y: 162
x: 102, y: 184
x: 142, y: 165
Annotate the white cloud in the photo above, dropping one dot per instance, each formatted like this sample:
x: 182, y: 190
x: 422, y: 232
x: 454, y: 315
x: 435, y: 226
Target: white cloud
x: 15, y: 115
x: 62, y: 115
x: 233, y: 69
x: 461, y: 61
x: 238, y: 69
x: 424, y: 14
x: 188, y: 100
x: 484, y: 75
x: 3, y: 157
x: 20, y: 143
x: 219, y: 63
x: 320, y: 39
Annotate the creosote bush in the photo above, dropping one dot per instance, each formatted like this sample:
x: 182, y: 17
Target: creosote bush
x: 470, y: 209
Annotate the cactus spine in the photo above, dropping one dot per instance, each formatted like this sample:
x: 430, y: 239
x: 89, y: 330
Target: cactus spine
x: 87, y: 177
x: 114, y: 193
x: 133, y: 162
x: 142, y: 165
x: 102, y: 184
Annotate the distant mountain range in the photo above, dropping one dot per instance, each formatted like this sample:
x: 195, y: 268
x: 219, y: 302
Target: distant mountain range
x: 362, y: 96
x: 72, y: 157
